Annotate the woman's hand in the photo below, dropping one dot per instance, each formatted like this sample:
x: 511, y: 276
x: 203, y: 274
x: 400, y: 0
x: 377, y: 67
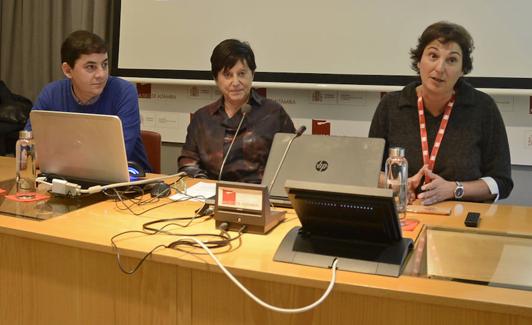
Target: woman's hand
x: 437, y: 190
x: 413, y: 184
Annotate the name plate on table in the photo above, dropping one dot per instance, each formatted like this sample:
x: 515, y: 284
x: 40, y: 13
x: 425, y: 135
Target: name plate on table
x: 242, y: 204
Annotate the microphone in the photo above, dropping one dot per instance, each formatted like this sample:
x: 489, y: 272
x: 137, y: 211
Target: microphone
x: 298, y: 133
x: 244, y: 109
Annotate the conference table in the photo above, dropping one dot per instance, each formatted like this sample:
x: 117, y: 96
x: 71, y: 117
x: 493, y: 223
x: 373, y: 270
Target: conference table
x: 63, y: 270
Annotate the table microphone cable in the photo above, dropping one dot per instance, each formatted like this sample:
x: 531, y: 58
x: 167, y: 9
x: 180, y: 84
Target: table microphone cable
x: 255, y: 298
x: 224, y: 239
x: 191, y: 241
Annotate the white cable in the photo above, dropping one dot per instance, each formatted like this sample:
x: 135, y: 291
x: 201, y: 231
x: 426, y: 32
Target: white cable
x: 255, y: 298
x: 42, y: 180
x: 143, y: 181
x: 99, y: 188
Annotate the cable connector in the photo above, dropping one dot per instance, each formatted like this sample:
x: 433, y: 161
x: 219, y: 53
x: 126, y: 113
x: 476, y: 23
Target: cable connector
x: 223, y: 226
x: 62, y: 187
x: 205, y: 210
x: 92, y: 189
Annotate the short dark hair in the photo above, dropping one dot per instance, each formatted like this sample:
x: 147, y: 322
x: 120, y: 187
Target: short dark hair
x: 81, y: 42
x: 445, y: 32
x: 226, y: 54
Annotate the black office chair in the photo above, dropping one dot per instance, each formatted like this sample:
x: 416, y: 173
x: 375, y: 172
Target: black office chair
x: 14, y: 112
x: 8, y: 137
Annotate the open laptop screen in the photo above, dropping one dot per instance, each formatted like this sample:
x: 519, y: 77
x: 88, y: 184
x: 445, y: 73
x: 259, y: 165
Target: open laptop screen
x: 324, y: 159
x: 76, y: 146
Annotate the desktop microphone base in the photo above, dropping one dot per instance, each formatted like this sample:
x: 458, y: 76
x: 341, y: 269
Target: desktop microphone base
x: 241, y: 204
x: 255, y: 224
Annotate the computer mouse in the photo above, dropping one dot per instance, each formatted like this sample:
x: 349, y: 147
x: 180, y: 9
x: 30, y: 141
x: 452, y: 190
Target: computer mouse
x: 160, y: 190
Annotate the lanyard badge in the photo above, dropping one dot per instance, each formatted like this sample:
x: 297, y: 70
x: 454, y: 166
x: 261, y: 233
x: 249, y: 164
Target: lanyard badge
x: 430, y: 160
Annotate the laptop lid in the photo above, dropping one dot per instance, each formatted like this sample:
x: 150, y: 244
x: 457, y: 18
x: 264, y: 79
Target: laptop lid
x: 323, y: 159
x: 77, y: 146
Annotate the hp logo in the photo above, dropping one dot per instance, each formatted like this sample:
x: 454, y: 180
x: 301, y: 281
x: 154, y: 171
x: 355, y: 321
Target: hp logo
x: 322, y: 165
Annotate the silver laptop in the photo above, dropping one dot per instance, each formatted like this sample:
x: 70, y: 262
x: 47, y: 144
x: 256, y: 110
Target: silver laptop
x: 323, y: 159
x: 80, y: 147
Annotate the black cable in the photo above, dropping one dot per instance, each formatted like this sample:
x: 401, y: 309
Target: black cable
x: 200, y: 213
x: 119, y: 259
x: 137, y: 266
x: 225, y: 240
x: 121, y: 202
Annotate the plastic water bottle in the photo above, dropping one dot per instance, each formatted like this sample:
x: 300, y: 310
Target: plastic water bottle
x: 25, y: 160
x: 396, y: 173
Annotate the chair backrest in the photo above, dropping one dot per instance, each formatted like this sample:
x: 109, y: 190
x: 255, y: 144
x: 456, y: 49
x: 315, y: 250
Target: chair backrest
x: 152, y: 144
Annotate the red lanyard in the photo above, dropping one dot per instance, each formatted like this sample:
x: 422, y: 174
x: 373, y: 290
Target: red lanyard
x: 439, y: 137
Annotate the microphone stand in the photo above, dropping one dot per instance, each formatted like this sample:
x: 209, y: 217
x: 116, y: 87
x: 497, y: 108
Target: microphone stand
x: 244, y: 109
x: 298, y: 133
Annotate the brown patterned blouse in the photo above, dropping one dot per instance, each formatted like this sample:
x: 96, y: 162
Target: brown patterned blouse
x: 211, y: 131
